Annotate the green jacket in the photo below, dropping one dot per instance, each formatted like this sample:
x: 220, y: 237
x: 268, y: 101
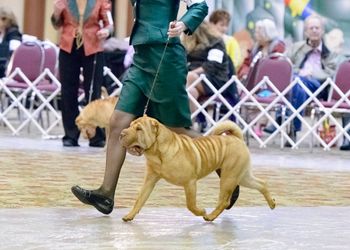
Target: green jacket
x: 152, y: 18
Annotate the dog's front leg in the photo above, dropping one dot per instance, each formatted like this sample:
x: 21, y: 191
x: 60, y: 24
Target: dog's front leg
x: 151, y: 179
x: 191, y: 200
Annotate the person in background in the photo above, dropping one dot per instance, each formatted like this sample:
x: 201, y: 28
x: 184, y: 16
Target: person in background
x: 221, y: 20
x: 313, y: 63
x: 206, y: 55
x: 10, y: 37
x: 84, y: 25
x: 267, y: 42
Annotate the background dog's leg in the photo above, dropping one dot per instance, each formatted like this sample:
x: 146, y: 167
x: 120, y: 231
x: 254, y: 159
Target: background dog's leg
x: 227, y: 185
x: 251, y: 181
x: 191, y: 200
x: 150, y: 180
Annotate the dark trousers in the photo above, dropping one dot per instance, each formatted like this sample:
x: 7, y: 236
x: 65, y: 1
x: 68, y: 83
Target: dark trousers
x: 299, y: 96
x: 69, y: 71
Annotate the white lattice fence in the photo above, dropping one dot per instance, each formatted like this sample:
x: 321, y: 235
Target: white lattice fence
x: 14, y: 100
x: 310, y: 133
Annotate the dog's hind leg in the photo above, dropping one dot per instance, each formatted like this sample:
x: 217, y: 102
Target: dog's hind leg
x: 251, y: 181
x: 191, y: 198
x: 150, y: 181
x: 227, y: 185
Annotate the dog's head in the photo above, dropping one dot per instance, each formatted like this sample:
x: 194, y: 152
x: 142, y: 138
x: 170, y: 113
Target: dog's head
x: 87, y: 130
x: 140, y: 136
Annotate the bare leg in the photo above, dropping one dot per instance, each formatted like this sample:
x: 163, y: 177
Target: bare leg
x: 197, y: 91
x: 115, y: 154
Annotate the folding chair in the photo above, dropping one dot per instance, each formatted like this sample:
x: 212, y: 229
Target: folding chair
x: 28, y: 78
x: 273, y: 73
x: 25, y: 66
x: 337, y: 102
x: 47, y: 87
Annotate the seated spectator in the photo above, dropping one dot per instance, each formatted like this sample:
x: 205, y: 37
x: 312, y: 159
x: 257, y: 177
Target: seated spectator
x: 10, y: 37
x: 221, y: 20
x: 267, y: 42
x: 313, y: 62
x: 206, y: 54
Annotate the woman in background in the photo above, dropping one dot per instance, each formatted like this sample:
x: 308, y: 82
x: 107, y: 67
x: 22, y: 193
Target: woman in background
x: 206, y: 54
x: 84, y: 25
x: 267, y: 42
x: 10, y: 37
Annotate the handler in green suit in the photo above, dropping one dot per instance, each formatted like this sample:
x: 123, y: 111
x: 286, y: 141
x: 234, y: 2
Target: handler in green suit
x: 168, y: 101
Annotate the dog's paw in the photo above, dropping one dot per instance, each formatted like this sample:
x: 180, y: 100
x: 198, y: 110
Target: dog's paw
x: 128, y: 218
x: 272, y: 204
x: 209, y: 218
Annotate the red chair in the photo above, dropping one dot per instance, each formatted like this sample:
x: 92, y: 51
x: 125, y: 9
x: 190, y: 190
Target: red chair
x: 340, y: 89
x: 47, y: 87
x: 26, y: 80
x: 274, y: 74
x: 24, y: 67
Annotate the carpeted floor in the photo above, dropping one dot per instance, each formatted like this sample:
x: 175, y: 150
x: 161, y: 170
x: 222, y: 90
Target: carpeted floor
x: 41, y: 178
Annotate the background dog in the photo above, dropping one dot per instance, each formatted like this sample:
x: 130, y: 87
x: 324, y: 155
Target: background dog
x: 96, y: 114
x: 182, y: 161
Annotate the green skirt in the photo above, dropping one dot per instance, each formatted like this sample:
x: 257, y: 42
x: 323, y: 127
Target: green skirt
x: 168, y: 102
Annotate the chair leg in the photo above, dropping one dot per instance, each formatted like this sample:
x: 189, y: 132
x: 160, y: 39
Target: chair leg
x: 312, y: 116
x: 31, y: 108
x: 283, y: 118
x: 217, y: 110
x: 346, y: 142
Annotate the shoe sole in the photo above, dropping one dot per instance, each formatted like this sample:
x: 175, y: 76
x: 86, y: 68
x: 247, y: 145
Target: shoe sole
x: 95, y: 205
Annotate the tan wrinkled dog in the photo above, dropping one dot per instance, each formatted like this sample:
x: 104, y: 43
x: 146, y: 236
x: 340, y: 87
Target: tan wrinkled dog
x: 96, y: 114
x: 182, y: 161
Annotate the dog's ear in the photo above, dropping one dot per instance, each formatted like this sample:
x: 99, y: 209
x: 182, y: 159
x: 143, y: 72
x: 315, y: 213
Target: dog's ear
x: 154, y: 125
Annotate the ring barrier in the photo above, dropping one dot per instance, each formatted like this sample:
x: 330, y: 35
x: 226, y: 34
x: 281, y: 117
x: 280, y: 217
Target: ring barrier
x: 14, y: 101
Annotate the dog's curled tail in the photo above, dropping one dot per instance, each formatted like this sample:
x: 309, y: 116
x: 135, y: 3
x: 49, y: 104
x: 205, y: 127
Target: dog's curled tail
x: 227, y: 127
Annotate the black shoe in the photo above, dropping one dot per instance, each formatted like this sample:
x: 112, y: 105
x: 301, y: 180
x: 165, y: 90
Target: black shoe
x: 234, y: 197
x: 293, y: 136
x: 69, y: 142
x: 346, y: 145
x: 97, y: 144
x: 101, y: 203
x: 269, y: 129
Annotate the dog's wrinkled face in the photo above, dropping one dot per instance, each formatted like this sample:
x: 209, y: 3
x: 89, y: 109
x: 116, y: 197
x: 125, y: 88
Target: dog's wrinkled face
x: 88, y: 131
x: 140, y: 136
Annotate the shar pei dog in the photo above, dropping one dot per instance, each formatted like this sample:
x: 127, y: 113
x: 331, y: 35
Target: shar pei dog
x: 182, y: 161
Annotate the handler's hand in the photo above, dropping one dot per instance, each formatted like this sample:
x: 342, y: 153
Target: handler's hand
x: 176, y: 28
x: 102, y: 34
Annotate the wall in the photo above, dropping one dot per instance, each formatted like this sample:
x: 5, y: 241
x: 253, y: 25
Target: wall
x: 17, y: 7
